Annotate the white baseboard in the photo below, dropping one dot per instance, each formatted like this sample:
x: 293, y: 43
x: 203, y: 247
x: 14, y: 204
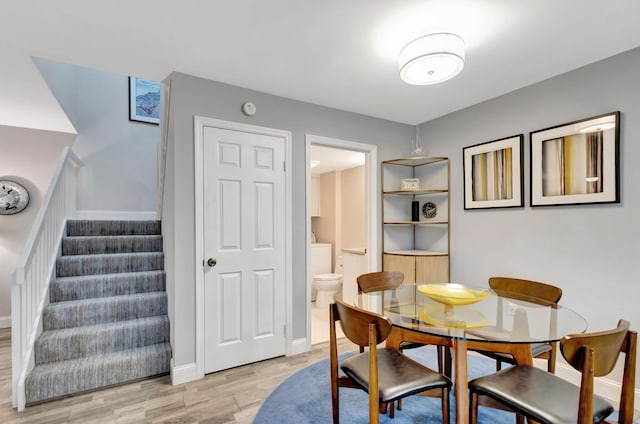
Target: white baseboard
x: 117, y: 215
x: 298, y: 346
x: 608, y: 389
x: 183, y: 373
x: 5, y: 322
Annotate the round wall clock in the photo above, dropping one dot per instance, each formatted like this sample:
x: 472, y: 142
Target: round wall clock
x: 429, y: 210
x: 13, y: 197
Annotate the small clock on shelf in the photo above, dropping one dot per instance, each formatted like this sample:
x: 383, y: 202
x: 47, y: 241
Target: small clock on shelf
x: 429, y: 210
x: 13, y: 197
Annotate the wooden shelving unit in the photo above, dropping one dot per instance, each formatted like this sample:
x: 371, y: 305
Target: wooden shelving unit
x: 420, y: 249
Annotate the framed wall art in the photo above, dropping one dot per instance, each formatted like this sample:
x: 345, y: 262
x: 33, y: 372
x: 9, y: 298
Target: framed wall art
x: 144, y: 101
x: 577, y: 162
x: 493, y: 174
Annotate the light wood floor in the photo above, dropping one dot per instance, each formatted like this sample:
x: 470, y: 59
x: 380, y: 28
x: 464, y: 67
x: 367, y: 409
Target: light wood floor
x: 231, y: 396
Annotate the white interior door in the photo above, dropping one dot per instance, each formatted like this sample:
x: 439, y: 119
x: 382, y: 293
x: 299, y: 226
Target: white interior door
x: 244, y: 233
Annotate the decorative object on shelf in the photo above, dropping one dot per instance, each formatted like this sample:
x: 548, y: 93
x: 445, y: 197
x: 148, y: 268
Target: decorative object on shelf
x: 429, y: 210
x: 416, y: 149
x: 407, y: 184
x: 493, y: 174
x: 14, y: 197
x: 452, y: 294
x: 432, y: 59
x: 415, y: 211
x: 577, y: 162
x: 144, y: 101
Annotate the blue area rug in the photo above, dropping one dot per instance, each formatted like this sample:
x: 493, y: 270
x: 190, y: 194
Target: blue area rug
x: 305, y: 397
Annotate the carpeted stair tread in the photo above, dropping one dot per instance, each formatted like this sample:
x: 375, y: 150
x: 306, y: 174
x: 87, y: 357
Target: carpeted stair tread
x: 77, y: 313
x: 56, y: 379
x: 91, y: 245
x: 112, y: 228
x: 77, y: 342
x: 106, y: 285
x: 69, y: 266
x: 107, y: 320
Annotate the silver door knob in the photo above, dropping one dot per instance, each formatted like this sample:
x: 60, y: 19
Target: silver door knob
x: 211, y: 262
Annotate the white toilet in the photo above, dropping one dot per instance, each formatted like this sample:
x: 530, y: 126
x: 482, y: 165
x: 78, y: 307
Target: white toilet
x: 328, y: 285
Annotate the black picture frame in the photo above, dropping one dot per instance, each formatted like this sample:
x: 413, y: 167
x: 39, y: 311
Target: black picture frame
x: 144, y: 101
x: 577, y: 162
x: 493, y: 174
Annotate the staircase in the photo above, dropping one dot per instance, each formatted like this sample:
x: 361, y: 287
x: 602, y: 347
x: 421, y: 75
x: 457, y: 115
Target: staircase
x: 107, y: 321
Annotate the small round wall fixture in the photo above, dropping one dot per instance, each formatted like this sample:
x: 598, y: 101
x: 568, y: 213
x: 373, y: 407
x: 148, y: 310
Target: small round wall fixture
x: 13, y: 197
x: 249, y: 108
x: 432, y: 59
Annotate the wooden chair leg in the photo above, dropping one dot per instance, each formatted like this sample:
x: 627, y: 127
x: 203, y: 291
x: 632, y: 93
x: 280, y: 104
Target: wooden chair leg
x: 551, y: 364
x: 392, y: 409
x: 498, y: 365
x: 448, y: 362
x: 399, y: 404
x: 473, y: 408
x: 445, y: 406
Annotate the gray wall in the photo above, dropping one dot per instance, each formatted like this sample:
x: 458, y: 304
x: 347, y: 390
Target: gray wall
x: 194, y: 96
x: 29, y: 157
x: 120, y: 156
x: 591, y: 251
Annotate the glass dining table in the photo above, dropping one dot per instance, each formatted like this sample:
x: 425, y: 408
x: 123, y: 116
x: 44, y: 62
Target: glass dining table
x: 465, y: 318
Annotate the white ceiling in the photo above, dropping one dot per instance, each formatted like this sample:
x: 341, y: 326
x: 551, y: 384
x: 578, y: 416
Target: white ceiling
x: 338, y: 53
x: 334, y: 159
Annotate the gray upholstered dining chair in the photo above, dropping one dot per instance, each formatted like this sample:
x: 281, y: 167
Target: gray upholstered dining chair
x: 532, y: 291
x: 385, y: 374
x: 546, y: 398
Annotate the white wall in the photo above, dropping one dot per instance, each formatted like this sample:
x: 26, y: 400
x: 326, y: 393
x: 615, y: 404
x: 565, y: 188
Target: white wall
x: 591, y: 251
x: 119, y: 178
x: 30, y: 158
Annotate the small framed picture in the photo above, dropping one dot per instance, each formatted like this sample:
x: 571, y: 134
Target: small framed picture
x: 493, y: 174
x: 577, y: 162
x: 410, y: 184
x: 144, y: 101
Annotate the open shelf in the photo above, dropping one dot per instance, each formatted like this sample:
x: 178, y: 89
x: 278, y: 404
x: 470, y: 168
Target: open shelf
x: 418, y: 248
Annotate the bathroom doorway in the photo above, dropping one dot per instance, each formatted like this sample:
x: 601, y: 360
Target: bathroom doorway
x: 343, y: 174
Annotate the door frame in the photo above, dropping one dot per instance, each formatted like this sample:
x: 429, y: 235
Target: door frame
x: 371, y: 199
x: 199, y: 123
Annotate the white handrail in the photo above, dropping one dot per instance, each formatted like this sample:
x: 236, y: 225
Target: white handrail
x: 29, y: 291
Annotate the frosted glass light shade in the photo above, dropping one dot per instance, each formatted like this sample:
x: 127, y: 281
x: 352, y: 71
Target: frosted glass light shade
x: 432, y: 59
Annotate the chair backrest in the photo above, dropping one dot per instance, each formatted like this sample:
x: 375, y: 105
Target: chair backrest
x: 376, y: 281
x: 355, y: 323
x: 595, y: 355
x: 607, y: 346
x: 525, y: 289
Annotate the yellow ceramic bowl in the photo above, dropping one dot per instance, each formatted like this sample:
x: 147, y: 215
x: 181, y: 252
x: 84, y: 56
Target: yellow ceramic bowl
x: 452, y: 294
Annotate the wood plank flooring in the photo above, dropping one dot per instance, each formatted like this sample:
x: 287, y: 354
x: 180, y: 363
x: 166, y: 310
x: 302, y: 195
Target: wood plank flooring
x: 231, y: 396
x: 225, y: 397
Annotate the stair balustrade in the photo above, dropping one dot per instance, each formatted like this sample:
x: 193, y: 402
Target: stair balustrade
x: 29, y: 291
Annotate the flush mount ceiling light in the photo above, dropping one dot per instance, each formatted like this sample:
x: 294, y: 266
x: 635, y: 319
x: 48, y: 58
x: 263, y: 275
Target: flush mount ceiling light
x: 432, y: 59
